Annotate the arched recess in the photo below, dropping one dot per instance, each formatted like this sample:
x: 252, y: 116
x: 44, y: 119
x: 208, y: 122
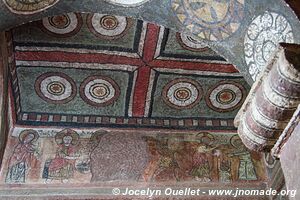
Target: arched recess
x: 244, y: 32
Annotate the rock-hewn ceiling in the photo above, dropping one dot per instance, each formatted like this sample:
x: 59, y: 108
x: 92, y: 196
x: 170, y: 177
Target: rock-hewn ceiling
x: 242, y: 31
x: 103, y: 70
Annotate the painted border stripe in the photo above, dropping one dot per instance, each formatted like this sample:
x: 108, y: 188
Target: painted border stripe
x: 77, y: 57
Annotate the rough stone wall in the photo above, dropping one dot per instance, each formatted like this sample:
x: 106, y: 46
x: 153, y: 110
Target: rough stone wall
x: 3, y: 92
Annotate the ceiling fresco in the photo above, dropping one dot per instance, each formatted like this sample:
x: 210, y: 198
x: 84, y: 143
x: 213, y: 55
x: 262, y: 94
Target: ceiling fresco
x: 210, y: 20
x: 102, y: 70
x: 28, y: 6
x: 244, y: 32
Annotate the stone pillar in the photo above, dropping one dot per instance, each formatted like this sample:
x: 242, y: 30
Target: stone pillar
x: 272, y: 100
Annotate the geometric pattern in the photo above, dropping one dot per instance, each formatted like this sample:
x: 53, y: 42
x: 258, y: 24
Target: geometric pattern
x: 264, y: 34
x: 182, y: 93
x: 99, y: 90
x: 37, y: 119
x: 226, y: 96
x: 55, y: 87
x: 27, y: 6
x: 142, y: 77
x: 190, y: 42
x: 108, y: 26
x: 210, y: 19
x: 63, y: 25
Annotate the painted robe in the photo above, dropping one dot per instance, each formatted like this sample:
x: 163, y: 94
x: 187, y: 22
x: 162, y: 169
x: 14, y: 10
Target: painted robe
x: 62, y: 166
x: 20, y: 162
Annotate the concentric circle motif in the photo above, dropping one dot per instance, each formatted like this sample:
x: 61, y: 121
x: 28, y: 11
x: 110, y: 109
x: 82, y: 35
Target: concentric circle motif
x: 27, y: 7
x: 182, y: 93
x: 225, y: 96
x: 99, y: 91
x: 264, y: 34
x: 62, y: 25
x: 55, y: 87
x: 212, y: 20
x: 128, y: 3
x: 190, y: 42
x: 108, y: 26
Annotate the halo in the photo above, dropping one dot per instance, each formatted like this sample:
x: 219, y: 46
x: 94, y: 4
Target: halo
x: 203, y: 136
x: 25, y: 133
x: 67, y: 132
x: 236, y: 142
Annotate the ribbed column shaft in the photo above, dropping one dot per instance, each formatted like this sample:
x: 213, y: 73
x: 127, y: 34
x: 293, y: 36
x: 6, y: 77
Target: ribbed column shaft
x: 274, y: 102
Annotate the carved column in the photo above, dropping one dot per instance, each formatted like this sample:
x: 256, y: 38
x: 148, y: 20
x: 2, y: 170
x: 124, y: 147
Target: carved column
x: 272, y: 100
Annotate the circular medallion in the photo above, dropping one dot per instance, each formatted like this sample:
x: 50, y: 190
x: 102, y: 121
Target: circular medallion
x: 27, y: 7
x: 108, y: 26
x: 264, y: 34
x: 99, y: 91
x: 190, y: 42
x: 210, y: 19
x: 225, y: 96
x: 55, y: 87
x: 182, y: 93
x: 128, y: 3
x: 62, y: 25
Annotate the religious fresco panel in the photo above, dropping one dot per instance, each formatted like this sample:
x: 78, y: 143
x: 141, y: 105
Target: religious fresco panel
x: 68, y: 156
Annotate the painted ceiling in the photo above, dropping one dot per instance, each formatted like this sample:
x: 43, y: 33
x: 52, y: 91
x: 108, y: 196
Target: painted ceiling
x: 92, y: 70
x: 245, y: 32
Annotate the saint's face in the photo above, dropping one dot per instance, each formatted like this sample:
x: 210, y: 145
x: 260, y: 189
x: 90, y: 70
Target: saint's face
x: 28, y: 138
x: 67, y: 140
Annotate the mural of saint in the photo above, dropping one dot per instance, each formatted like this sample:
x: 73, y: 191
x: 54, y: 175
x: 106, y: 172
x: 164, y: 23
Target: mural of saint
x: 181, y: 160
x: 63, y: 165
x: 224, y: 171
x: 245, y: 169
x: 202, y: 160
x: 167, y: 167
x: 23, y: 157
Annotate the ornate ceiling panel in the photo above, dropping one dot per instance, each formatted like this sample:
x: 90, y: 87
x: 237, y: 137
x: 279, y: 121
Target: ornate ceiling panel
x: 244, y: 32
x: 103, y: 70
